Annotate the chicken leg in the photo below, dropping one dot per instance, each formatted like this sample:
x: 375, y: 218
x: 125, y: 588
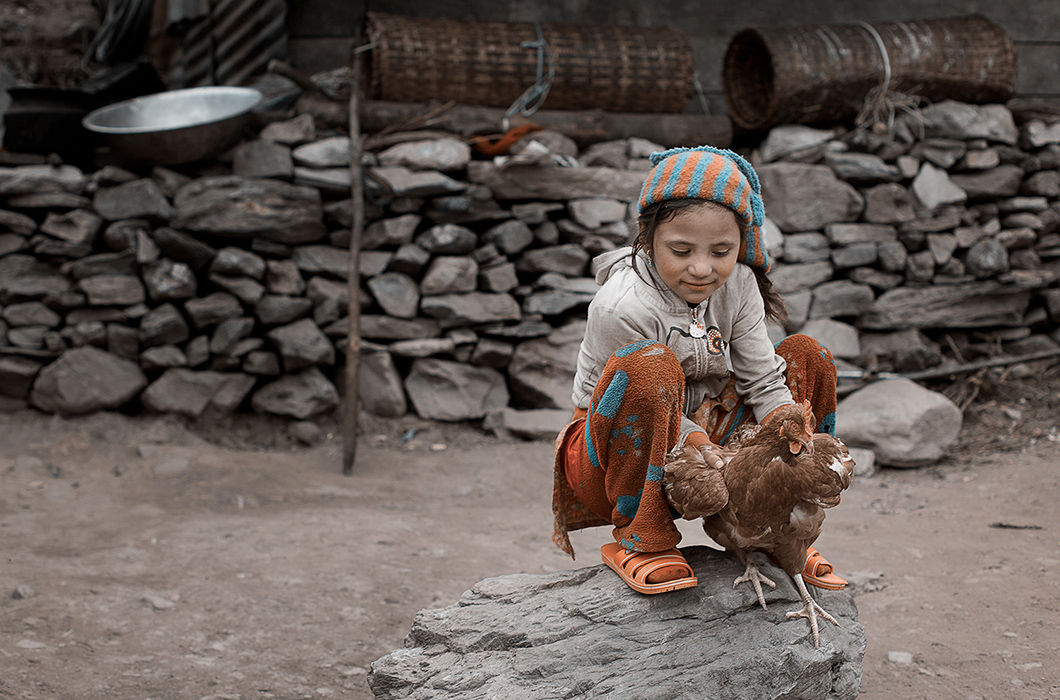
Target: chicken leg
x: 810, y: 610
x: 752, y: 574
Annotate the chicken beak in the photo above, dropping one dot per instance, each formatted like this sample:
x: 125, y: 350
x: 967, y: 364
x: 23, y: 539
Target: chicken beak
x: 800, y: 445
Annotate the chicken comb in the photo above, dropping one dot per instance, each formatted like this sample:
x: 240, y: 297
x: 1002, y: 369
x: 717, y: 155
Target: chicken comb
x: 807, y: 416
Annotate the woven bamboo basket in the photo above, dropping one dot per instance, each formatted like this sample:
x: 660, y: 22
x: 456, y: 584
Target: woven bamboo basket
x: 824, y: 73
x: 615, y: 69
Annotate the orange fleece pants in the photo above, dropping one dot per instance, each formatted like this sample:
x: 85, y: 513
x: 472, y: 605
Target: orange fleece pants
x: 614, y: 460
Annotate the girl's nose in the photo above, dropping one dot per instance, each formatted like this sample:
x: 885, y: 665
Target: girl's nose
x: 700, y: 266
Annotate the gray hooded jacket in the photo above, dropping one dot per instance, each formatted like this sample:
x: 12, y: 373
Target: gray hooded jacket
x: 627, y: 308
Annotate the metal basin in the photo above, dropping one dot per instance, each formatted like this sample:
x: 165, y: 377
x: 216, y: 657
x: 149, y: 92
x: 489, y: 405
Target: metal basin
x: 178, y: 126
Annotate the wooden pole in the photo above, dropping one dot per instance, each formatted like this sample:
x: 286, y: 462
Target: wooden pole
x: 584, y: 126
x: 939, y: 372
x: 353, y: 332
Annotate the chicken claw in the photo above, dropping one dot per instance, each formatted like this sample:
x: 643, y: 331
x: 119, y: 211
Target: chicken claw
x: 810, y: 610
x: 756, y: 578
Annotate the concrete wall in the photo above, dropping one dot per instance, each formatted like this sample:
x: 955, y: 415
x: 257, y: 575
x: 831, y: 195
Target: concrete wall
x: 321, y: 31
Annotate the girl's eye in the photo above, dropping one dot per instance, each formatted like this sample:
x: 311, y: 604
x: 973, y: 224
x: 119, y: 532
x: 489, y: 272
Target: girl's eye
x: 680, y: 253
x: 722, y: 253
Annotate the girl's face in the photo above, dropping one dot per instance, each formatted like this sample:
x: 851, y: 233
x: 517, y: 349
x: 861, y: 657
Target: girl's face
x: 695, y: 251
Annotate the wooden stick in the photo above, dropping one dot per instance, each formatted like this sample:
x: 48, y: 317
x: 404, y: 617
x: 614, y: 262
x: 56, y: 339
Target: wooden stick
x: 584, y: 126
x: 353, y: 332
x: 937, y: 372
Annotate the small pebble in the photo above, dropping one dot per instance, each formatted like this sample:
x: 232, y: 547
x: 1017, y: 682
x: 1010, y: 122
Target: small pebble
x: 158, y: 602
x: 22, y: 592
x: 306, y: 432
x: 438, y: 446
x: 30, y: 644
x: 900, y: 657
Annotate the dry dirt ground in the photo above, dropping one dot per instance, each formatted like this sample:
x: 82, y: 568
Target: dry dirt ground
x: 161, y: 560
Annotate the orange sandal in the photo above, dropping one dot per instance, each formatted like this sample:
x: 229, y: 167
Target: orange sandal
x: 634, y: 568
x: 818, y: 572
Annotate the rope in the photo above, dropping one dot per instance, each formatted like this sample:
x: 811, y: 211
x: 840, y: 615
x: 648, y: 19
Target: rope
x: 534, y: 96
x: 881, y: 100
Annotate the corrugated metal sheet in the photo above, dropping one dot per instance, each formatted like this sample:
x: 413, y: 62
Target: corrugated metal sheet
x: 233, y: 43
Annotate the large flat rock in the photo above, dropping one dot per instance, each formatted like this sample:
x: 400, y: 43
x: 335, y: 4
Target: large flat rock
x: 583, y: 633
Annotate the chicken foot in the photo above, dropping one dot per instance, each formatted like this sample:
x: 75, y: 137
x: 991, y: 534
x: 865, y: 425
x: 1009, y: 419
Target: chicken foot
x: 810, y: 610
x: 752, y: 574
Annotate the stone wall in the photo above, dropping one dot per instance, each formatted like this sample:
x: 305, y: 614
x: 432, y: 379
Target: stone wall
x: 892, y: 250
x: 222, y: 287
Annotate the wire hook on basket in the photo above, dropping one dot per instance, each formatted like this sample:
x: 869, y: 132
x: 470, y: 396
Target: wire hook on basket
x: 534, y: 96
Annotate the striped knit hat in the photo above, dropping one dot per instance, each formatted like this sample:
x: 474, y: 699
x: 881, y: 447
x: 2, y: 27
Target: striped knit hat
x: 716, y: 175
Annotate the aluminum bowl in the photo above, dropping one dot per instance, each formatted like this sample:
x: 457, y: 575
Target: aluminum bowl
x: 172, y: 127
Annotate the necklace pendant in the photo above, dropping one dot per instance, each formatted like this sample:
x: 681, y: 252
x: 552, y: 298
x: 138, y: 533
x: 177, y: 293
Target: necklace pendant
x: 696, y: 330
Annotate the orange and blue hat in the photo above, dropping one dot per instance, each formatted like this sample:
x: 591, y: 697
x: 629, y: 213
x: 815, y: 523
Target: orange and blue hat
x: 716, y: 175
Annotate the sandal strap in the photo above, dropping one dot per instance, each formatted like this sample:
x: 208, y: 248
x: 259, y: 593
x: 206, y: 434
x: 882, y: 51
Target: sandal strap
x: 651, y: 562
x: 817, y: 564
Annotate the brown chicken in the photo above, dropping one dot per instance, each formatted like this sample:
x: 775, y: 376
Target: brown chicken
x: 770, y: 496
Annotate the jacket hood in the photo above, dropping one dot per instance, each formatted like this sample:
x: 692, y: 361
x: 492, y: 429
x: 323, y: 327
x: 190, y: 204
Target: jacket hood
x: 607, y: 264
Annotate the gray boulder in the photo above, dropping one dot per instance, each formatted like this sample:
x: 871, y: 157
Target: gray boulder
x: 792, y: 278
x: 323, y: 259
x: 530, y: 182
x: 533, y: 424
x: 139, y: 198
x: 568, y: 259
x: 449, y: 274
x: 163, y: 325
x: 541, y: 371
x: 428, y: 154
x: 794, y: 140
x: 24, y: 277
x: 86, y: 379
x: 397, y: 294
x: 934, y: 188
x: 167, y: 280
x: 379, y: 387
x: 396, y: 231
x: 302, y: 344
x: 30, y: 313
x: 806, y: 197
x: 112, y: 290
x: 262, y: 158
x: 840, y: 298
x: 861, y: 167
x: 972, y: 305
x: 584, y: 633
x: 237, y: 207
x: 905, y: 424
x: 957, y: 120
x: 237, y: 261
x: 841, y: 338
x: 291, y: 132
x: 805, y: 247
x: 470, y: 308
x: 190, y: 393
x: 454, y: 391
x: 325, y: 153
x: 301, y: 395
x: 399, y: 181
x: 889, y: 203
x: 35, y: 179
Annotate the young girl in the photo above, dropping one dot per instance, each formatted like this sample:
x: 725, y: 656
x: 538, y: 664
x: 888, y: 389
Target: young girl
x: 676, y: 352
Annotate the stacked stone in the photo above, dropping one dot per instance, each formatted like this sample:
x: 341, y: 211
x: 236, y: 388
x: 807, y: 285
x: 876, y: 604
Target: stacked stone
x: 176, y: 293
x: 949, y: 227
x: 226, y: 287
x: 884, y: 245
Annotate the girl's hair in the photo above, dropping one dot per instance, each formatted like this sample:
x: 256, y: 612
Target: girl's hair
x: 669, y: 209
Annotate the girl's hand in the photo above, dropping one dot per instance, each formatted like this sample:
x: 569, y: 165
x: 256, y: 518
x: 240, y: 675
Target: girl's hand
x: 708, y: 449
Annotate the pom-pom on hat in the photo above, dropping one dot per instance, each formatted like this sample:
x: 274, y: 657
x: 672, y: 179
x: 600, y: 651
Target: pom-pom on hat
x: 716, y: 175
